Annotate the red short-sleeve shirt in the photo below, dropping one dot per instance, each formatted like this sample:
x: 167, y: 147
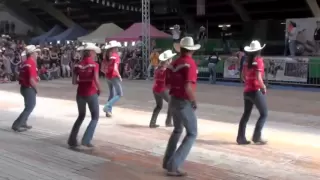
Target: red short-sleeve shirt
x: 112, y: 65
x: 251, y: 81
x: 28, y: 70
x: 86, y: 70
x: 181, y: 71
x: 159, y: 84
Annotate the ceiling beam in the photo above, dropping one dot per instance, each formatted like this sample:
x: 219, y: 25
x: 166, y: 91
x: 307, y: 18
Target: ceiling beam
x: 15, y: 8
x: 50, y: 9
x: 314, y: 7
x: 240, y: 10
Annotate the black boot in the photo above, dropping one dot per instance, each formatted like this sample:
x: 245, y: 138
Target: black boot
x: 256, y: 138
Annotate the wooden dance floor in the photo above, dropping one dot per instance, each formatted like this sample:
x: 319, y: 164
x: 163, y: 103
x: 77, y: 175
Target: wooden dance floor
x: 126, y: 149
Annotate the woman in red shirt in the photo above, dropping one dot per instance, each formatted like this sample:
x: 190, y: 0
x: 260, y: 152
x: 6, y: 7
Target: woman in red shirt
x: 113, y: 76
x: 160, y: 92
x: 254, y: 93
x: 86, y: 76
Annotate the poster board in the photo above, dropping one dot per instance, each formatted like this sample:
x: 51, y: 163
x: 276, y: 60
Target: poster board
x: 277, y: 68
x: 307, y: 35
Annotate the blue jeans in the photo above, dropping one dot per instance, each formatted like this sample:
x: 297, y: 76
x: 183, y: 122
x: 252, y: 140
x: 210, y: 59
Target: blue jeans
x: 93, y: 104
x: 29, y: 95
x: 292, y: 47
x: 259, y: 100
x: 115, y: 90
x: 212, y: 72
x: 183, y: 117
x: 159, y: 97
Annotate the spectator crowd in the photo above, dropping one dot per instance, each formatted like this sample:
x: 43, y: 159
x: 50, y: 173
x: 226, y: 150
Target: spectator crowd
x: 57, y: 61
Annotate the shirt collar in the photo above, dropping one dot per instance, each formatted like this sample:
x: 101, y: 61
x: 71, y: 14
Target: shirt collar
x: 87, y: 59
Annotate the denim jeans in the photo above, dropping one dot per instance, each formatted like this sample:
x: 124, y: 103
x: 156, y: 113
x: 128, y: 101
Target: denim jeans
x: 115, y: 92
x: 259, y: 100
x: 183, y: 117
x: 212, y: 72
x: 150, y: 69
x: 159, y: 97
x: 93, y: 104
x: 292, y: 47
x: 29, y: 95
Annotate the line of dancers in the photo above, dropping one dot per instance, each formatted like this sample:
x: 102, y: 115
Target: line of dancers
x: 175, y: 82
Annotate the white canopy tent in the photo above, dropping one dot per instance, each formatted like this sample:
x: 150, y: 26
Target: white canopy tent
x: 101, y: 33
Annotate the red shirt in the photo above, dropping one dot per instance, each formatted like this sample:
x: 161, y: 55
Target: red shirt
x: 251, y: 81
x: 86, y: 70
x: 181, y: 71
x: 113, y: 66
x: 28, y: 70
x: 43, y: 70
x: 159, y: 84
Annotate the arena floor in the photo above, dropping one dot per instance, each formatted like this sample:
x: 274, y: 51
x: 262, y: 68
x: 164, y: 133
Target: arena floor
x: 128, y: 149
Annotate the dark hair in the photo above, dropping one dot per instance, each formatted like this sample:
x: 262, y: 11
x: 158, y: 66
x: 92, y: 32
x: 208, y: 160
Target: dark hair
x: 251, y: 57
x: 107, y: 56
x: 28, y: 55
x: 241, y: 48
x: 86, y: 53
x: 184, y: 50
x: 293, y: 24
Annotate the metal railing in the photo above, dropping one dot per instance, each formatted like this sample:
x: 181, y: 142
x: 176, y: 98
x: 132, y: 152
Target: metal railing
x: 301, y: 71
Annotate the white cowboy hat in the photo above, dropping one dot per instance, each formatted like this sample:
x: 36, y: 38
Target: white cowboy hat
x: 188, y: 43
x: 47, y: 49
x: 166, y: 55
x: 254, y: 46
x: 90, y: 47
x: 112, y: 44
x: 106, y: 46
x: 31, y: 49
x: 23, y: 53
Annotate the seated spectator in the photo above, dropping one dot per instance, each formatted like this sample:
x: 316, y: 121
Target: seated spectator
x: 44, y: 73
x: 54, y: 71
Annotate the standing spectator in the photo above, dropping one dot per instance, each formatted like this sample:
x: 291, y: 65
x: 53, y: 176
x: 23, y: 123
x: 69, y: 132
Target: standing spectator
x: 292, y: 37
x: 65, y: 61
x: 212, y: 62
x: 154, y: 61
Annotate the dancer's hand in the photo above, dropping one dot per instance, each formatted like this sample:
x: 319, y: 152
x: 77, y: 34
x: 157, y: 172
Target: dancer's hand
x: 194, y: 105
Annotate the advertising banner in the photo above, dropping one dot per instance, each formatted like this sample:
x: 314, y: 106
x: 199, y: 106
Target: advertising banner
x: 306, y: 32
x: 276, y: 68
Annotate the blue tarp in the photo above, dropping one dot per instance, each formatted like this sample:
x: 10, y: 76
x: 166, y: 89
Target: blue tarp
x: 53, y: 32
x: 70, y: 34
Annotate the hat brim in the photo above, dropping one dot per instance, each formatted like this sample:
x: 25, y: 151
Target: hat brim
x: 191, y: 48
x: 249, y: 49
x: 23, y: 53
x: 113, y: 46
x: 95, y: 49
x: 162, y: 58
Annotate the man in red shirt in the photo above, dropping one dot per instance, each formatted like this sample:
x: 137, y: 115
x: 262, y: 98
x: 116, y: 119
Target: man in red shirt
x: 181, y: 80
x: 86, y: 75
x: 159, y: 88
x: 113, y: 76
x: 254, y: 94
x: 28, y: 87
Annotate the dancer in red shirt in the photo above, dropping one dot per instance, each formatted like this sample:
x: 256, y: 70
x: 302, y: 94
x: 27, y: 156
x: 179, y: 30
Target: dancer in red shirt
x: 181, y: 80
x: 113, y: 76
x: 86, y: 76
x: 28, y: 80
x: 254, y: 93
x: 160, y: 92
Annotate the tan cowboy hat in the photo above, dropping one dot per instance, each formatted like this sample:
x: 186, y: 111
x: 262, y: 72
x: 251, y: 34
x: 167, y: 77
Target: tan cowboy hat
x: 254, y: 46
x: 168, y: 54
x: 188, y: 43
x: 90, y: 47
